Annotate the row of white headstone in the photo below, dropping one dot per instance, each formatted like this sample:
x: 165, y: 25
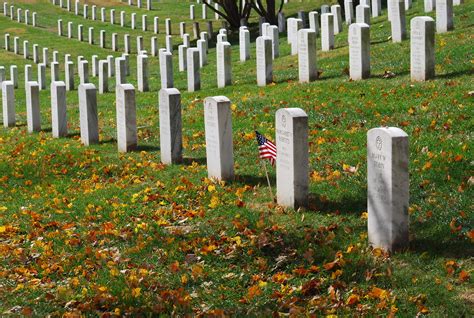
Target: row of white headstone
x: 387, y: 148
x: 20, y: 17
x: 133, y: 21
x: 67, y: 4
x: 192, y: 12
x: 103, y: 69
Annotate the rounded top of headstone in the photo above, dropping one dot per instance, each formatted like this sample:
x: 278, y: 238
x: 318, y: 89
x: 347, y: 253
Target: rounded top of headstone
x: 87, y: 86
x: 170, y: 91
x: 58, y: 84
x: 421, y: 19
x: 292, y: 112
x: 7, y: 83
x: 304, y: 31
x: 217, y: 99
x: 32, y: 83
x: 126, y: 87
x: 390, y: 131
x: 358, y: 25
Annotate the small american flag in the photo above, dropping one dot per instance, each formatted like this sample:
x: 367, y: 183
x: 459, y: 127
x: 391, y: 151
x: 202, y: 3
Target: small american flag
x: 266, y: 148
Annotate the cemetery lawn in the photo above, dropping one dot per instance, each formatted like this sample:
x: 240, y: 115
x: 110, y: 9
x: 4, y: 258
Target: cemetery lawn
x: 88, y: 230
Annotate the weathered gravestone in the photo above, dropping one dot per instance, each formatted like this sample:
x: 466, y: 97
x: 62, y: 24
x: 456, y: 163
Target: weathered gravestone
x: 219, y: 145
x: 363, y: 14
x: 264, y: 61
x: 193, y: 67
x: 376, y: 8
x: 336, y: 12
x: 327, y: 32
x: 292, y: 163
x: 359, y: 51
x: 32, y: 107
x: 126, y: 118
x: 422, y: 48
x: 103, y: 76
x: 171, y: 144
x: 58, y: 109
x: 14, y: 75
x: 224, y: 71
x: 444, y: 16
x: 8, y: 103
x: 397, y: 19
x: 69, y: 75
x: 388, y: 188
x: 307, y: 70
x: 314, y: 21
x: 166, y: 69
x: 349, y: 11
x: 244, y: 43
x: 142, y: 73
x: 120, y: 71
x: 42, y: 76
x: 88, y: 114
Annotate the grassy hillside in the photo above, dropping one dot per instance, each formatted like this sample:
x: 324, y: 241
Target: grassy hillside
x: 88, y: 230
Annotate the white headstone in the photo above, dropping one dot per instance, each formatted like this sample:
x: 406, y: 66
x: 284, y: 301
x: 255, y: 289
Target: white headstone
x: 166, y: 69
x: 292, y: 163
x: 58, y: 109
x: 224, y: 66
x: 363, y: 14
x: 69, y: 75
x: 142, y: 73
x: 422, y: 48
x: 8, y: 102
x: 388, y: 188
x: 193, y: 67
x: 444, y: 16
x: 126, y: 118
x: 171, y: 144
x: 88, y: 114
x: 327, y: 32
x: 103, y: 76
x: 376, y: 8
x: 264, y: 61
x: 42, y: 76
x: 429, y: 5
x: 336, y: 12
x: 219, y: 145
x: 244, y: 44
x: 314, y: 21
x: 32, y: 107
x: 397, y: 19
x: 359, y: 51
x: 307, y: 68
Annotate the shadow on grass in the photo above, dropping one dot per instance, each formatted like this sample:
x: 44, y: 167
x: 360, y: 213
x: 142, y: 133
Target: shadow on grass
x: 436, y: 246
x: 189, y: 161
x: 455, y: 74
x: 379, y: 42
x: 346, y: 205
x: 252, y: 180
x: 148, y: 148
x: 72, y: 135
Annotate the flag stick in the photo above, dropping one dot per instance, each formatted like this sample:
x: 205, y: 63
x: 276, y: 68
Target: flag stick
x: 268, y: 179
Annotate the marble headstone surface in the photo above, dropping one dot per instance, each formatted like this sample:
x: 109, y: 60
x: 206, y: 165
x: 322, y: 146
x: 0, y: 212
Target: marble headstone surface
x: 88, y: 114
x: 171, y: 144
x: 126, y: 118
x: 422, y: 48
x: 33, y: 107
x: 388, y: 188
x: 359, y: 51
x: 58, y: 109
x: 219, y: 144
x: 292, y: 164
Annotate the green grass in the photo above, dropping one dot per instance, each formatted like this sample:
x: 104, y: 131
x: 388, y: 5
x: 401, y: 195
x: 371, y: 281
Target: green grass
x: 88, y: 230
